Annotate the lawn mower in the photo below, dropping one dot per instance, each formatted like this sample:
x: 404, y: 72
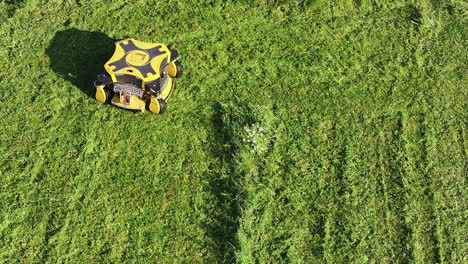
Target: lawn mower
x: 139, y: 76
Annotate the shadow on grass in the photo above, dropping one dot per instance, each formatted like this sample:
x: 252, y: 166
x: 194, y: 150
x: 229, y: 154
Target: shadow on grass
x: 226, y: 190
x: 78, y: 56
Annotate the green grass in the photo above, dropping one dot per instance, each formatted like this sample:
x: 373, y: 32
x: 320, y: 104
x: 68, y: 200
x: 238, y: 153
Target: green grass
x: 303, y: 131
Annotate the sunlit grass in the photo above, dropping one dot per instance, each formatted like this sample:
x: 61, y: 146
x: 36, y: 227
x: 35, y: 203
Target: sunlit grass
x: 302, y: 131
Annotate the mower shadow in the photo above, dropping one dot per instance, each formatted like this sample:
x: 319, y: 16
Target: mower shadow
x: 78, y: 56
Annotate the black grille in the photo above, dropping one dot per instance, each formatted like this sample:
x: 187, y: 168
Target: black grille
x: 133, y: 90
x: 125, y: 78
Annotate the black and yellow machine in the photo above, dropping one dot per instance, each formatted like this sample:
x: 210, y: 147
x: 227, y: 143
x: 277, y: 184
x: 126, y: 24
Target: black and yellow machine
x: 139, y: 76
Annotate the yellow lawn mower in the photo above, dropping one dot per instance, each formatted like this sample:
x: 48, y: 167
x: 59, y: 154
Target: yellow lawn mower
x: 139, y: 76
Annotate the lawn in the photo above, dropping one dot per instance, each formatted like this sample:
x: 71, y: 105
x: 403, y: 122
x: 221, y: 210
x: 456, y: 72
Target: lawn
x: 302, y: 131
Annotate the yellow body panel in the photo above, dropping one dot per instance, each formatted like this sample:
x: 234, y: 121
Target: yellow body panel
x: 139, y: 55
x: 140, y: 105
x: 135, y: 103
x: 101, y: 94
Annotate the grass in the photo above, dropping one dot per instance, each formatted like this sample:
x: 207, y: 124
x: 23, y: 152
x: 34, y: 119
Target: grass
x: 302, y: 131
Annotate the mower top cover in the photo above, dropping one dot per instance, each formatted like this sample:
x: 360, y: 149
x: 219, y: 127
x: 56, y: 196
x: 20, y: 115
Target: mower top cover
x: 143, y: 60
x: 139, y: 76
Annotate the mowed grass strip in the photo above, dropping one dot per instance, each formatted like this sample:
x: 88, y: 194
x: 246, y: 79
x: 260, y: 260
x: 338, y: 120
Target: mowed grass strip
x: 447, y: 142
x: 308, y: 131
x: 377, y: 193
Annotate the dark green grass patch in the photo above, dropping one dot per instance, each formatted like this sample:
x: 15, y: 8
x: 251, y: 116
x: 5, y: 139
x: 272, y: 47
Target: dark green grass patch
x: 303, y: 131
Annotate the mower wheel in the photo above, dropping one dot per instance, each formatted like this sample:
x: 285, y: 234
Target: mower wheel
x: 103, y: 94
x: 109, y: 95
x: 180, y: 69
x: 162, y: 106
